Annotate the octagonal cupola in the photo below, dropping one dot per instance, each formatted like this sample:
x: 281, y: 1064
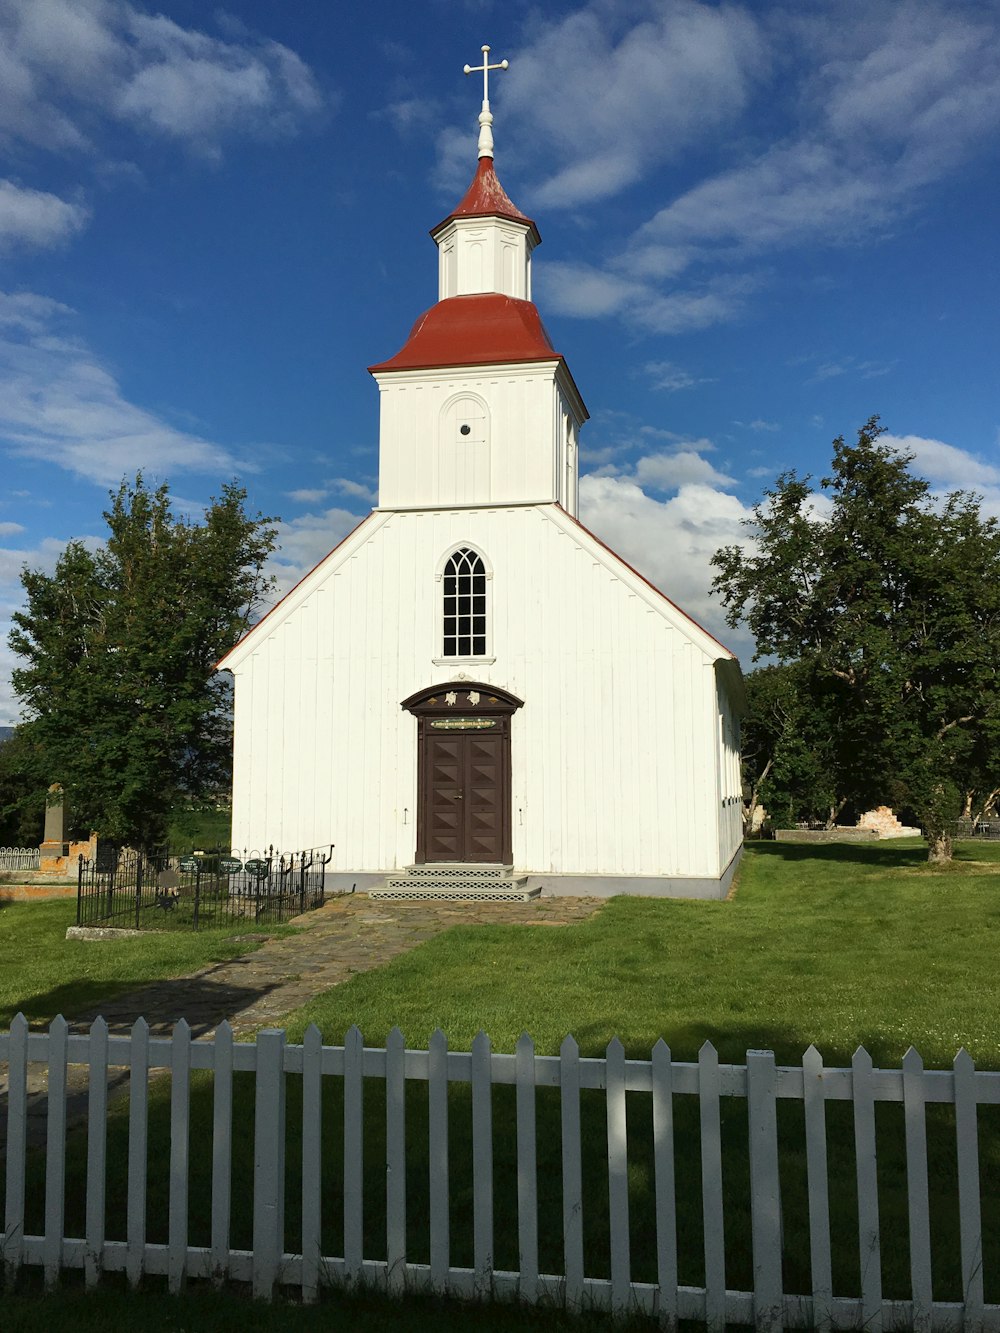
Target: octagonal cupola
x: 485, y: 245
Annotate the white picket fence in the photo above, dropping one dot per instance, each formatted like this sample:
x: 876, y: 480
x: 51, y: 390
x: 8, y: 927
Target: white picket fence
x: 18, y: 858
x: 760, y: 1082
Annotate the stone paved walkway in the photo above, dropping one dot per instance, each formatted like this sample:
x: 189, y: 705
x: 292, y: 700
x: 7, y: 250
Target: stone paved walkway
x: 346, y: 936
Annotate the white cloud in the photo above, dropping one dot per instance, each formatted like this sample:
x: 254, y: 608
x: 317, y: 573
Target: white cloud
x: 877, y: 112
x: 59, y: 404
x: 304, y: 541
x: 617, y: 89
x: 792, y: 194
x: 36, y: 218
x: 721, y: 299
x: 600, y: 455
x: 455, y: 162
x: 886, y: 108
x: 66, y: 65
x: 946, y: 465
x: 307, y: 495
x: 851, y: 365
x: 345, y: 486
x: 664, y: 472
x: 10, y: 529
x: 29, y: 311
x: 409, y: 115
x: 761, y: 425
x: 668, y: 377
x: 818, y: 506
x: 930, y: 72
x: 588, y: 292
x: 671, y: 541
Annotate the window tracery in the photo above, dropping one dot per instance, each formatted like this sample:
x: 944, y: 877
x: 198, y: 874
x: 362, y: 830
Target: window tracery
x: 464, y: 604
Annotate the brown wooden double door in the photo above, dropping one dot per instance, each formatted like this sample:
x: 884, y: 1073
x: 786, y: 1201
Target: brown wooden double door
x: 463, y: 772
x: 464, y: 810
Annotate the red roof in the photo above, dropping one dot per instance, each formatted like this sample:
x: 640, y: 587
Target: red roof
x: 486, y: 197
x: 477, y: 330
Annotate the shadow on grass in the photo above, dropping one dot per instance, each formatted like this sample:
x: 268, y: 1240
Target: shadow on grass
x: 730, y: 1040
x: 838, y: 853
x: 203, y: 1001
x: 153, y: 1310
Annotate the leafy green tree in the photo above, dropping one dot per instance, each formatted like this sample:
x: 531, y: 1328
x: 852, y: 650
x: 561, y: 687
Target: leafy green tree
x: 116, y: 651
x: 789, y: 751
x: 22, y: 805
x: 889, y: 605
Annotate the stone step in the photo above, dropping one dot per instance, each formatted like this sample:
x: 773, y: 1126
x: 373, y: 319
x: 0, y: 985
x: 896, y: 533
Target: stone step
x: 444, y: 870
x: 445, y: 881
x: 403, y: 888
x: 451, y: 893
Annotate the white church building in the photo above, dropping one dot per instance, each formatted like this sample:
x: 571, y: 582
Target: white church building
x: 472, y: 691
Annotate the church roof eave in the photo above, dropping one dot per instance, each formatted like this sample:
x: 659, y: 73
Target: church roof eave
x: 717, y: 652
x: 296, y: 594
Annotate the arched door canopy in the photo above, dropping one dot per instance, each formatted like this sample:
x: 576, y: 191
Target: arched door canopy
x: 433, y: 698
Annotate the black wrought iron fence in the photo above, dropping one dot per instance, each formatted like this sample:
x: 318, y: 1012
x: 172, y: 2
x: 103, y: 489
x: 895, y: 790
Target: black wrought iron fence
x: 198, y: 890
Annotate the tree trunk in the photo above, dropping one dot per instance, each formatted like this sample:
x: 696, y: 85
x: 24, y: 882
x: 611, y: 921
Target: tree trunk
x: 835, y: 813
x: 748, y: 811
x: 939, y: 849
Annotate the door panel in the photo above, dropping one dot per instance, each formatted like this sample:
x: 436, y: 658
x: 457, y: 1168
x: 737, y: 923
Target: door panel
x: 445, y: 813
x: 484, y: 795
x: 465, y: 794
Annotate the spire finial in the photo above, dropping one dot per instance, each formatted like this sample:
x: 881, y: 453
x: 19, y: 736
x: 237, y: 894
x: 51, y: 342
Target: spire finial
x: 486, y: 116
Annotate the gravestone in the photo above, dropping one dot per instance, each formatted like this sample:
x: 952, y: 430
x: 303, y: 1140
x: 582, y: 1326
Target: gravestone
x: 54, y: 850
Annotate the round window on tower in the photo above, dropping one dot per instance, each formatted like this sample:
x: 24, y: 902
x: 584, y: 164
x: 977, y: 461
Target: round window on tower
x: 465, y: 420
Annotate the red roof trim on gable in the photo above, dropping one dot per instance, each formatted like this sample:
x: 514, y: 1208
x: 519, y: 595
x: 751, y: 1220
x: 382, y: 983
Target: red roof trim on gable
x: 281, y: 600
x: 487, y: 198
x: 483, y: 329
x: 649, y: 584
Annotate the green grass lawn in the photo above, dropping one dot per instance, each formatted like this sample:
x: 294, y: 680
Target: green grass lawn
x: 42, y: 973
x: 153, y: 1311
x: 837, y: 945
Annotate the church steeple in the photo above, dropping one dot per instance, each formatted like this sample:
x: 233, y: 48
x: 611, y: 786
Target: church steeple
x: 485, y: 244
x: 478, y: 408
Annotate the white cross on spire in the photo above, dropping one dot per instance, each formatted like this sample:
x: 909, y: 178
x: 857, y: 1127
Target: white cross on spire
x: 486, y: 116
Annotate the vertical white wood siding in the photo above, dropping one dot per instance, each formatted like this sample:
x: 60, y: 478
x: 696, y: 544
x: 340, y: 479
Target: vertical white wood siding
x: 484, y: 254
x: 623, y: 758
x: 519, y: 454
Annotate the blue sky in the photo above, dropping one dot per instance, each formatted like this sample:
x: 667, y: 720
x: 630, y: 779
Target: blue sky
x: 762, y: 222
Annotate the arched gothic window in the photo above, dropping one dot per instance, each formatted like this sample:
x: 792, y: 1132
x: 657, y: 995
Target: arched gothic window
x: 465, y: 605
